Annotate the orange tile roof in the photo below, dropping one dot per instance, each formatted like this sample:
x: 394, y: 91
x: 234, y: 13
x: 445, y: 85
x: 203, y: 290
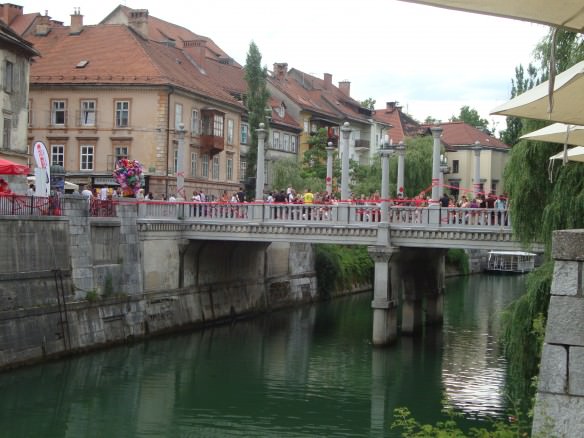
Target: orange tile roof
x: 135, y: 61
x: 287, y: 120
x: 312, y: 94
x: 402, y: 124
x: 22, y: 23
x: 456, y: 134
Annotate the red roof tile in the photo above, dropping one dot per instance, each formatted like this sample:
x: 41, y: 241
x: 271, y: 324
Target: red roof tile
x: 456, y: 134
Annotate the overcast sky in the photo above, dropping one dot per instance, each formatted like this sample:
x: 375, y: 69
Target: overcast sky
x: 430, y: 60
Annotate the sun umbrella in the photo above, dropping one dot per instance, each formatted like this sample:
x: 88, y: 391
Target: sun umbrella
x: 10, y: 168
x: 569, y: 14
x: 567, y: 97
x: 574, y: 154
x: 558, y: 133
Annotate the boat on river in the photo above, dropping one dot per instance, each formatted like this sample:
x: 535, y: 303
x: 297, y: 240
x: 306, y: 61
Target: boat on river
x: 511, y: 261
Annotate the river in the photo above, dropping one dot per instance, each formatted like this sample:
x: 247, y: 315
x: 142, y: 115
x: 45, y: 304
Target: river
x: 303, y: 372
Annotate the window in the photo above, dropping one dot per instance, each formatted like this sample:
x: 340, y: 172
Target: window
x: 276, y: 140
x: 87, y: 113
x: 493, y: 187
x: 122, y: 114
x: 9, y: 77
x: 244, y: 133
x: 58, y: 154
x: 306, y: 126
x: 178, y: 115
x: 195, y: 122
x: 193, y: 164
x: 120, y: 152
x: 454, y: 166
x: 205, y: 166
x: 86, y: 155
x: 58, y: 113
x: 229, y: 169
x: 230, y: 127
x: 286, y: 142
x: 242, y: 168
x: 293, y: 142
x: 216, y: 167
x: 6, y: 131
x: 175, y: 161
x: 218, y: 126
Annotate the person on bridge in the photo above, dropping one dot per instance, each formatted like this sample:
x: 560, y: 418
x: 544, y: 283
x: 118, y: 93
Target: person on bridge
x: 308, y: 197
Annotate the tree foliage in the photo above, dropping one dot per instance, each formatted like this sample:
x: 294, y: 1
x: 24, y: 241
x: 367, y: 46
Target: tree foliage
x: 369, y: 103
x: 471, y: 117
x: 256, y: 100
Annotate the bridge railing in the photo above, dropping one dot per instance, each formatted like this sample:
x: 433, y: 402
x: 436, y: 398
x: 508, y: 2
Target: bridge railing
x: 341, y: 214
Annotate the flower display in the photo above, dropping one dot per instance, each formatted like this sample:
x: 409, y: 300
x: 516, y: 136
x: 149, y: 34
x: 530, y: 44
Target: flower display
x: 127, y: 174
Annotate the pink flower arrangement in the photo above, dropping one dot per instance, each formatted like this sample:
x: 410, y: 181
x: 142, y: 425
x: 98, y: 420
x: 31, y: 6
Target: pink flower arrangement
x: 127, y: 174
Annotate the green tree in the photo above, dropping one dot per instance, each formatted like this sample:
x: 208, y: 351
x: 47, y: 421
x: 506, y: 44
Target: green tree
x: 431, y: 121
x: 471, y: 117
x: 368, y: 103
x: 256, y: 100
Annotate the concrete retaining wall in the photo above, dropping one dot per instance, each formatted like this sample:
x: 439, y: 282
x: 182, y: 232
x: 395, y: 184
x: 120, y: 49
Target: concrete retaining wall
x: 75, y: 283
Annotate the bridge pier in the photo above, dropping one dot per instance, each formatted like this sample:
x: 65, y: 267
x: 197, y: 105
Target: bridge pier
x: 421, y: 277
x: 384, y: 303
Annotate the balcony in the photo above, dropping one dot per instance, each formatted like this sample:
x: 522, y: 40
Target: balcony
x: 212, y: 137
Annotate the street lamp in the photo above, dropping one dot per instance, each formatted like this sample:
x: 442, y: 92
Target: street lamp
x: 444, y: 169
x: 259, y: 189
x: 385, y: 151
x: 180, y: 171
x: 477, y: 168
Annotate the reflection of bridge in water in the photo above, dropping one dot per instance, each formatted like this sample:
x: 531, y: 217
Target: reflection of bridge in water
x: 408, y: 244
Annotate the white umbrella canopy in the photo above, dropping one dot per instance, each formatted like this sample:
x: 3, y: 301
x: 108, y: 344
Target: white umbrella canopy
x: 558, y: 133
x: 568, y: 14
x: 574, y: 154
x: 567, y: 96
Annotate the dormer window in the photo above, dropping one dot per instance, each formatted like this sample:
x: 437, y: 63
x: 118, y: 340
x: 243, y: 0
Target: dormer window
x: 281, y: 110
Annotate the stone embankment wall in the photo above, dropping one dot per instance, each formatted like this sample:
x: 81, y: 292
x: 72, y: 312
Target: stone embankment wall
x: 76, y: 282
x: 560, y: 396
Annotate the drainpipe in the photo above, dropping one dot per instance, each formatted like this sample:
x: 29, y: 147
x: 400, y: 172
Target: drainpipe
x: 170, y: 91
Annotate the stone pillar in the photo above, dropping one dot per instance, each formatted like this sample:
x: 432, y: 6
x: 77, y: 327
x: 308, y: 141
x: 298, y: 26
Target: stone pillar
x: 401, y: 153
x: 560, y: 395
x: 259, y: 190
x: 345, y: 135
x: 384, y: 305
x: 180, y: 164
x: 131, y: 261
x: 329, y: 168
x: 384, y: 182
x: 436, y: 133
x: 477, y: 169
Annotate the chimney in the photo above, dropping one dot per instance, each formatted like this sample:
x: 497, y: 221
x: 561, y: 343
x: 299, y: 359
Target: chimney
x: 201, y: 51
x: 43, y: 25
x: 392, y: 105
x: 345, y: 87
x: 138, y: 21
x: 280, y: 70
x: 328, y: 81
x: 9, y: 12
x: 76, y: 22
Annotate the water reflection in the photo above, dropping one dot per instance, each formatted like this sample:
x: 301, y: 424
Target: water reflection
x: 305, y: 372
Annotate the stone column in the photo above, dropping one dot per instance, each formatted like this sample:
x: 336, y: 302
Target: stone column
x: 560, y: 395
x: 477, y: 169
x: 384, y: 152
x: 401, y: 153
x: 436, y: 133
x: 180, y: 164
x: 384, y: 305
x: 345, y: 135
x: 259, y: 190
x: 329, y: 168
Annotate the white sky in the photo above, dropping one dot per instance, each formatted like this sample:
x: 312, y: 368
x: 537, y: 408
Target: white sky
x: 430, y: 60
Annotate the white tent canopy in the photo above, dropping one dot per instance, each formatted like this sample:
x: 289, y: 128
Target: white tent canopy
x: 568, y: 14
x: 568, y: 96
x: 574, y: 154
x: 558, y: 133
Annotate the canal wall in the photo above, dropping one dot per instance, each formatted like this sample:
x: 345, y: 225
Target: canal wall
x: 560, y: 395
x: 73, y: 283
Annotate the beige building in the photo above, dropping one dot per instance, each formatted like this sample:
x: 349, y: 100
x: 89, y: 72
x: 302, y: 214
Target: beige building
x: 15, y: 57
x: 460, y: 142
x: 92, y: 105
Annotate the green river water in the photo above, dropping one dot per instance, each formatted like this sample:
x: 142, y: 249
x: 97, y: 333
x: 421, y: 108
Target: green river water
x: 306, y: 372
